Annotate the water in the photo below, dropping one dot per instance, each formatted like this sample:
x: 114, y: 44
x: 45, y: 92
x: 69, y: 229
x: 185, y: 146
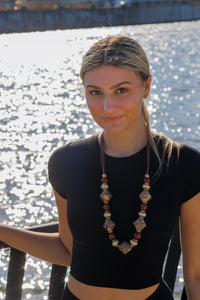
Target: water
x: 42, y: 107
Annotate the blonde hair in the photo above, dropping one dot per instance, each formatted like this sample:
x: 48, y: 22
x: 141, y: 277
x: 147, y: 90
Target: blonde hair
x: 125, y: 52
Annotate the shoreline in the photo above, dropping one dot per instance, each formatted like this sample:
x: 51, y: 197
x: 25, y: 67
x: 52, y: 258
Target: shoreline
x: 25, y: 20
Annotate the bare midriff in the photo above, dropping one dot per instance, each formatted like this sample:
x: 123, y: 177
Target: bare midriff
x: 84, y: 292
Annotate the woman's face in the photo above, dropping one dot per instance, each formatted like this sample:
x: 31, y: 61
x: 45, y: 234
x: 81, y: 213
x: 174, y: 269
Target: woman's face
x: 114, y: 97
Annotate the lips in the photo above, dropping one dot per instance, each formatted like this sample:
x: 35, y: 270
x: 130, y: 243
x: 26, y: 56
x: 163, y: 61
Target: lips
x: 112, y: 119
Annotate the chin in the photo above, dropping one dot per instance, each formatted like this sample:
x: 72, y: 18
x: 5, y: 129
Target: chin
x: 113, y: 130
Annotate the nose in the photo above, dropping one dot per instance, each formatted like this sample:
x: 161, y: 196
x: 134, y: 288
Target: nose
x: 108, y: 102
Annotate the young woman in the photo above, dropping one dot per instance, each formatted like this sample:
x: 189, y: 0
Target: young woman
x: 120, y: 193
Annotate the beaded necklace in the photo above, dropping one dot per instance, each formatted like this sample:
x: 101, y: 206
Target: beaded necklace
x: 106, y: 196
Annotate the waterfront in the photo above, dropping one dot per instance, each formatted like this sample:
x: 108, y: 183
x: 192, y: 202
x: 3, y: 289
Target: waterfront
x: 15, y: 15
x: 42, y: 107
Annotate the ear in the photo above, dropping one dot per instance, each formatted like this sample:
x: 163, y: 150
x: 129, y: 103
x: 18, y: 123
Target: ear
x: 147, y: 87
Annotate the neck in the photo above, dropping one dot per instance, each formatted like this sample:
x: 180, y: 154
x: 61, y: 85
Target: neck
x: 125, y: 144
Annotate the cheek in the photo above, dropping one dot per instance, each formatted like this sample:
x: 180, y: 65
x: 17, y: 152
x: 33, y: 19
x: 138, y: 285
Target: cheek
x: 93, y: 106
x: 131, y: 103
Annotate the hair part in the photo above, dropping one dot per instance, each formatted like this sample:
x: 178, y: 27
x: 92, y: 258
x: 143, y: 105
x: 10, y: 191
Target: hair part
x: 119, y: 51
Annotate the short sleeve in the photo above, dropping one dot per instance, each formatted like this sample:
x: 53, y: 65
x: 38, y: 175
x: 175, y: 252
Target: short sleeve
x: 57, y: 170
x: 189, y: 172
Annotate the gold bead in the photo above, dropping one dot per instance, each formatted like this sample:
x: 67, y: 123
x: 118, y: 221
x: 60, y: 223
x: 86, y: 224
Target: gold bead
x: 115, y: 243
x: 104, y: 175
x: 142, y: 214
x: 146, y: 186
x: 104, y: 186
x: 107, y: 214
x: 133, y: 243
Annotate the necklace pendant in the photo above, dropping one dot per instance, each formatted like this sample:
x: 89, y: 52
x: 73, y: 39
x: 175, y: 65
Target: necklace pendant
x: 139, y: 224
x: 105, y: 196
x: 145, y: 196
x: 109, y: 225
x: 125, y: 247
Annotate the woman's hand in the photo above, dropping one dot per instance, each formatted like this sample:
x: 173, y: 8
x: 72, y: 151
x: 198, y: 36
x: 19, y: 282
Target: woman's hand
x: 52, y: 247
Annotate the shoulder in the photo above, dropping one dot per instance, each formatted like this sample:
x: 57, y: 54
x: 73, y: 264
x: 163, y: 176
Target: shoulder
x: 187, y: 150
x: 185, y: 157
x: 71, y: 150
x: 66, y: 162
x: 166, y: 146
x: 189, y: 157
x: 181, y: 153
x: 161, y: 140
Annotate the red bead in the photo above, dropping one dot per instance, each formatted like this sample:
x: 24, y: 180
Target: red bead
x: 147, y: 180
x: 106, y: 207
x: 104, y: 180
x: 111, y: 236
x: 143, y: 206
x: 137, y: 236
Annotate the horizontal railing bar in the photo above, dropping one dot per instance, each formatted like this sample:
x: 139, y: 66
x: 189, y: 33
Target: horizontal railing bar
x: 49, y: 227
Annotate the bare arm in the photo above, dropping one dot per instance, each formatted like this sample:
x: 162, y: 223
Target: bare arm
x: 190, y: 241
x: 53, y: 247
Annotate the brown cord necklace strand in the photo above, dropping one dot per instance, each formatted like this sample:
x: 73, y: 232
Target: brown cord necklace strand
x: 106, y: 196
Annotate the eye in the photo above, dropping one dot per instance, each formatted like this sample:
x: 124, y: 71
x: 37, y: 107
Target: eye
x: 95, y: 93
x: 121, y: 91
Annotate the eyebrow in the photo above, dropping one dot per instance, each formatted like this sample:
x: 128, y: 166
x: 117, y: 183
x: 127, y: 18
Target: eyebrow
x: 112, y: 87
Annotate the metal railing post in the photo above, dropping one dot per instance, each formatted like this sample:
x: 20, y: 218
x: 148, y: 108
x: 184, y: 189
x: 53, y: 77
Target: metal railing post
x: 173, y: 257
x: 14, y: 283
x: 57, y: 282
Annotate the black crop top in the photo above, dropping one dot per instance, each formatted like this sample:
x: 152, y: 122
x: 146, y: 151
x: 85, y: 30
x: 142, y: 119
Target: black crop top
x: 75, y: 173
